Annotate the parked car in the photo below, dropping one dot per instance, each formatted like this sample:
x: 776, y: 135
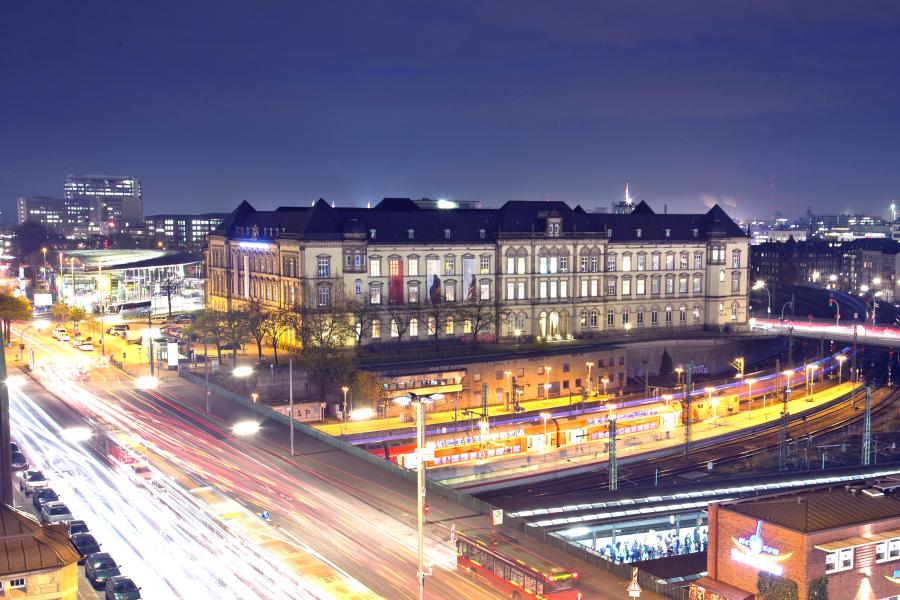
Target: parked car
x: 86, y: 544
x: 55, y: 512
x: 61, y: 334
x: 184, y: 319
x: 121, y: 587
x: 41, y: 496
x: 119, y: 330
x: 85, y: 346
x: 77, y: 526
x: 99, y: 567
x: 31, y: 481
x: 230, y: 347
x: 19, y: 462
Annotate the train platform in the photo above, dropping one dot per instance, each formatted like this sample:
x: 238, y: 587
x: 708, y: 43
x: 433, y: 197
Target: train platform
x: 567, y: 460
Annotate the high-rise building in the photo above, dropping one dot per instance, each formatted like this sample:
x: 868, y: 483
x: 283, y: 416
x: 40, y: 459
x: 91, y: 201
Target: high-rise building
x: 68, y: 217
x: 183, y: 232
x: 118, y: 199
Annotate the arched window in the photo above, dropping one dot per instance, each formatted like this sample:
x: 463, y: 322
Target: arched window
x: 696, y: 313
x: 594, y: 318
x: 584, y: 318
x: 640, y: 316
x: 654, y: 316
x: 376, y: 329
x: 610, y: 318
x: 682, y: 314
x: 357, y: 287
x: 722, y: 276
x: 734, y: 311
x: 668, y: 315
x: 625, y: 316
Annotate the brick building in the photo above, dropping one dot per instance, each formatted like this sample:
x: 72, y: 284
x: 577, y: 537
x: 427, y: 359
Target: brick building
x: 844, y: 539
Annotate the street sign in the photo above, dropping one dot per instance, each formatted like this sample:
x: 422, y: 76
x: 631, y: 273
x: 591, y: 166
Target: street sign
x: 264, y: 515
x: 634, y: 588
x: 426, y: 453
x: 497, y: 516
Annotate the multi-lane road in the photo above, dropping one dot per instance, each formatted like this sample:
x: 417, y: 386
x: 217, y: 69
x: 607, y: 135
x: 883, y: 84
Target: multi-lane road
x: 357, y: 534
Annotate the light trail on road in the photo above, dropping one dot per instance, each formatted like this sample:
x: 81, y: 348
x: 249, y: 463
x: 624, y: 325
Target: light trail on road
x: 166, y: 541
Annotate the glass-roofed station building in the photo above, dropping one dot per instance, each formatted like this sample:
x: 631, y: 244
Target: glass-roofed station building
x: 129, y: 282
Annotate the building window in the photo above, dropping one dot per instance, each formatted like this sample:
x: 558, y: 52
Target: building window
x: 324, y: 295
x: 698, y: 285
x: 682, y: 314
x: 584, y: 317
x: 485, y: 291
x: 375, y: 294
x: 698, y: 261
x: 449, y: 265
x: 18, y: 583
x: 542, y: 265
x: 413, y: 293
x: 521, y: 287
x: 722, y: 276
x: 446, y: 234
x: 626, y: 262
x: 654, y: 262
x: 449, y: 326
x: 467, y: 326
x: 374, y: 267
x: 594, y: 318
x: 641, y: 262
x: 394, y: 267
x: 641, y: 287
x: 640, y: 317
x: 542, y: 290
x: 376, y: 329
x: 520, y: 265
x: 553, y: 289
x: 654, y: 285
x: 481, y: 234
x: 696, y: 313
x: 357, y: 287
x: 610, y: 318
x: 357, y: 261
x: 610, y: 262
x: 584, y: 264
x: 670, y: 284
x: 668, y: 315
x: 894, y: 549
x: 625, y: 316
x: 735, y: 282
x: 670, y: 262
x: 654, y: 316
x: 594, y: 288
x: 414, y: 327
x: 412, y: 266
x: 554, y: 264
x: 734, y: 311
x: 735, y: 259
x: 563, y: 289
x: 510, y: 265
x: 485, y: 265
x: 450, y: 292
x: 395, y: 329
x: 610, y: 286
x: 563, y: 264
x: 510, y: 290
x: 411, y: 233
x: 683, y: 263
x: 626, y: 286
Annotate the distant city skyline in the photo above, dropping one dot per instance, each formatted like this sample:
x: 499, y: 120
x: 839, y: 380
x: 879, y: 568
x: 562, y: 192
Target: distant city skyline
x: 765, y: 108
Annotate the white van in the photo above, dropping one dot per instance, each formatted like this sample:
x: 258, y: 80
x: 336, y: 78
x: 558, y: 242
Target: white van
x: 61, y: 334
x: 119, y: 330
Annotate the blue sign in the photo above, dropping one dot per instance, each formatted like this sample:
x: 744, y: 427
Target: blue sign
x: 264, y: 514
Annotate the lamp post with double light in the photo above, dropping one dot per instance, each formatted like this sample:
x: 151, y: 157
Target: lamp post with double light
x: 421, y: 457
x: 345, y: 389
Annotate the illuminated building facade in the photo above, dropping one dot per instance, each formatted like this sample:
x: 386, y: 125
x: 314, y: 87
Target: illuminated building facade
x: 117, y: 199
x: 844, y: 539
x: 546, y: 270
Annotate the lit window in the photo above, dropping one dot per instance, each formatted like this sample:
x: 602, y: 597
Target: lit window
x: 374, y: 267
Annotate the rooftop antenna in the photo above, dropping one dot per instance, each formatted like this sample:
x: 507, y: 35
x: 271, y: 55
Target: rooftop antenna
x: 628, y: 199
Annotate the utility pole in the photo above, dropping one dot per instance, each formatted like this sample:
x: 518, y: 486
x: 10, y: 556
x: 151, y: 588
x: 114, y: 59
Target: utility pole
x: 688, y: 371
x: 613, y: 461
x: 867, y: 429
x: 783, y: 431
x: 853, y: 356
x: 777, y: 373
x: 790, y: 357
x: 6, y: 493
x: 206, y: 367
x: 291, y: 399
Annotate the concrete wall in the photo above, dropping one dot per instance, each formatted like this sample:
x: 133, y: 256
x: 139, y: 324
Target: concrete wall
x: 714, y: 354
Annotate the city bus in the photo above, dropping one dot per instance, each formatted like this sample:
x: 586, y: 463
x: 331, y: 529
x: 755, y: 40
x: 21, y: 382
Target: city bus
x: 139, y: 308
x: 516, y: 573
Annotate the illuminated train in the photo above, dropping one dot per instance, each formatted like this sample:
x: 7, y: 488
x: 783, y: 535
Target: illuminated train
x: 518, y: 438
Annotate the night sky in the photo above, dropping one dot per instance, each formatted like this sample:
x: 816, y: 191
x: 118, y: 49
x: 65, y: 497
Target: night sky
x: 760, y: 106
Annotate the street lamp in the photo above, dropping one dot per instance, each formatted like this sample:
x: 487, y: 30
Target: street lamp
x: 715, y: 405
x: 604, y: 381
x: 421, y: 456
x: 345, y: 389
x: 749, y: 396
x: 509, y: 383
x: 841, y: 358
x: 254, y: 396
x: 545, y: 416
x: 678, y: 372
x: 761, y: 285
x: 590, y: 366
x: 547, y: 383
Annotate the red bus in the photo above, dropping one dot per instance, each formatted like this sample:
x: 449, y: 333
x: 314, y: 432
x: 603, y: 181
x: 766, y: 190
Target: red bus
x: 513, y: 571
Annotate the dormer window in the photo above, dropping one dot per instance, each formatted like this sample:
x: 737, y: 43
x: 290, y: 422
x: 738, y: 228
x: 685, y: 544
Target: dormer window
x: 554, y: 225
x: 695, y: 232
x: 638, y: 232
x: 412, y: 233
x: 372, y: 234
x: 446, y: 234
x: 481, y: 233
x: 667, y: 232
x: 609, y: 233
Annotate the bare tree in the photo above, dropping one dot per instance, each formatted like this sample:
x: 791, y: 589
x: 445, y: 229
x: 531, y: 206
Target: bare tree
x: 362, y: 314
x: 400, y: 317
x: 277, y: 324
x: 208, y: 327
x: 257, y: 317
x: 435, y: 316
x: 480, y: 315
x: 234, y: 330
x: 325, y: 332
